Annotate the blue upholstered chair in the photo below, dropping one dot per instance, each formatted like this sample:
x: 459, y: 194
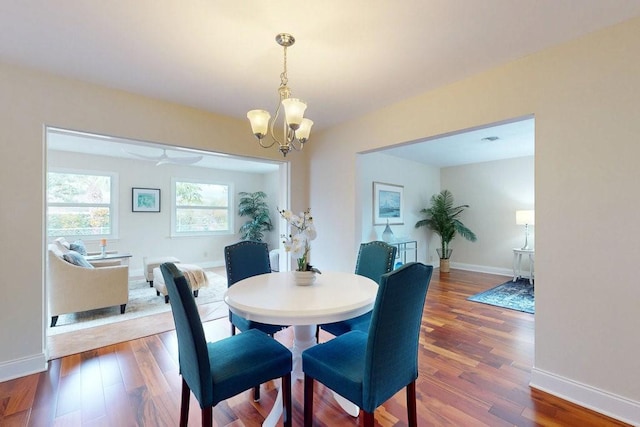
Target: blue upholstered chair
x: 246, y: 259
x: 369, y: 368
x: 222, y: 369
x: 374, y: 260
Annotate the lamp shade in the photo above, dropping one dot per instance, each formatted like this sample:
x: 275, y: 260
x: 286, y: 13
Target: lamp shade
x: 293, y: 112
x: 304, y: 130
x: 525, y: 217
x: 259, y: 122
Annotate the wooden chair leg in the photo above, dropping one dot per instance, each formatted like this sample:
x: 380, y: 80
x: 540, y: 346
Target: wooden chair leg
x: 411, y: 404
x: 367, y: 419
x: 207, y: 417
x: 308, y: 401
x: 184, y: 404
x: 286, y: 399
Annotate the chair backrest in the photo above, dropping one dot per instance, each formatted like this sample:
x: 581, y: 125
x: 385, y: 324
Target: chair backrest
x: 375, y: 259
x: 391, y: 360
x: 192, y: 345
x: 245, y: 259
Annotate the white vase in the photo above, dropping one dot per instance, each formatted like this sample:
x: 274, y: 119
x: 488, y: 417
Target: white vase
x: 304, y: 278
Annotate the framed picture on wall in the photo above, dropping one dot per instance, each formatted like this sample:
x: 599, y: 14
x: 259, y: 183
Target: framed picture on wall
x: 388, y: 203
x: 145, y: 199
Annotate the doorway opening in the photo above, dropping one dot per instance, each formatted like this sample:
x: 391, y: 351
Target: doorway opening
x: 155, y: 168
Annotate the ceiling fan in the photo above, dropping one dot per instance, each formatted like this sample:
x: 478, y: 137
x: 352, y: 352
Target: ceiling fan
x: 166, y: 160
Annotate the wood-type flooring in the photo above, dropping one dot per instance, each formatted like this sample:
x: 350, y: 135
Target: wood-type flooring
x: 475, y: 363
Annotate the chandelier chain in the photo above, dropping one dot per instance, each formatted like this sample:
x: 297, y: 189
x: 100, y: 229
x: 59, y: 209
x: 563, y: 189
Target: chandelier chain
x: 283, y: 76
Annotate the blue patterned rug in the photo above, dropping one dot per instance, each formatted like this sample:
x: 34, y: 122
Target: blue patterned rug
x: 516, y: 295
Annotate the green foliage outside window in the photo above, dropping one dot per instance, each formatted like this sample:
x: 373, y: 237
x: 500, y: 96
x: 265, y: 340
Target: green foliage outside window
x: 78, y: 204
x: 201, y: 207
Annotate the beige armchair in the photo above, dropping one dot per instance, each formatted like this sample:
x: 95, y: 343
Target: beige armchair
x: 72, y: 289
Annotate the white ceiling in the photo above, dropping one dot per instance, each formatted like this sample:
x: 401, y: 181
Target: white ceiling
x: 350, y: 57
x: 494, y: 142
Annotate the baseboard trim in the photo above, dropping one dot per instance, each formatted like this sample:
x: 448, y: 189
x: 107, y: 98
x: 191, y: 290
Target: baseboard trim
x: 482, y: 269
x: 21, y: 367
x: 601, y: 401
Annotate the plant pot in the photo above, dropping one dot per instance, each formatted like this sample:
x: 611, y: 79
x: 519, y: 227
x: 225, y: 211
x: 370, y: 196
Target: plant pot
x: 444, y: 265
x: 446, y: 255
x: 304, y: 278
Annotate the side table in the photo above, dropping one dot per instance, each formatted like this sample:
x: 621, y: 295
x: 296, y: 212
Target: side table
x: 517, y: 263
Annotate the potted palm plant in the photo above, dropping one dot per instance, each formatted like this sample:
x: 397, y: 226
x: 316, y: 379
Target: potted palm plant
x: 442, y: 219
x: 255, y: 207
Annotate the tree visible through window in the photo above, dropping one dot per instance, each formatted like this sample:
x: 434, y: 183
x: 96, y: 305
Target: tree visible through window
x: 79, y: 204
x: 201, y: 207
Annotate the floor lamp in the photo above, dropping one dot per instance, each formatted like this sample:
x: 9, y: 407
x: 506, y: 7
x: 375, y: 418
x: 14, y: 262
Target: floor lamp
x: 525, y: 218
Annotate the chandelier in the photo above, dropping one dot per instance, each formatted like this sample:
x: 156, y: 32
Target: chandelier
x: 295, y: 128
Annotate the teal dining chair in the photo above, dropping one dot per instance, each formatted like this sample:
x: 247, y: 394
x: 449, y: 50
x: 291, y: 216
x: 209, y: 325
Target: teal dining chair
x: 246, y: 259
x: 374, y: 259
x: 369, y: 368
x: 215, y: 371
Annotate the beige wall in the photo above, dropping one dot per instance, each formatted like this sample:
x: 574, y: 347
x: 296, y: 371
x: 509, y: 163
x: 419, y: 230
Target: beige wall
x: 493, y: 191
x: 419, y: 182
x: 30, y: 100
x: 585, y: 96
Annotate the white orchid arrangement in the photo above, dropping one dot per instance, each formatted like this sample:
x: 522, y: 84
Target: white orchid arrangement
x: 299, y: 243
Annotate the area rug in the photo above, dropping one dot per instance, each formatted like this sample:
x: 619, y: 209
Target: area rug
x: 143, y: 301
x: 516, y: 295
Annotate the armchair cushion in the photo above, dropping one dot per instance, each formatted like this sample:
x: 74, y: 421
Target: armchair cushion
x: 79, y: 247
x: 75, y: 258
x: 62, y: 245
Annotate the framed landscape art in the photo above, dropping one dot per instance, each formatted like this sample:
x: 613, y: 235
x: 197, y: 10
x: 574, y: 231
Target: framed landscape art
x: 388, y: 203
x: 145, y: 199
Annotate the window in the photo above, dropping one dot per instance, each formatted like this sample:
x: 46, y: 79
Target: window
x: 201, y: 208
x: 81, y: 204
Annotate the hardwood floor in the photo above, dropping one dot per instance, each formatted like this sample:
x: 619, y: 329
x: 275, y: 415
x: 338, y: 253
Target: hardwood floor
x: 475, y: 363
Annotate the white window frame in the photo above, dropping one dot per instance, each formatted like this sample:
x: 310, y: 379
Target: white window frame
x: 113, y: 205
x: 174, y: 208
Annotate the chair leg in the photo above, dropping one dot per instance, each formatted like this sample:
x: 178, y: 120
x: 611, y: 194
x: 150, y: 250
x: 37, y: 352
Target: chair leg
x: 207, y: 416
x: 54, y: 320
x: 256, y: 393
x: 308, y: 401
x: 286, y: 399
x: 184, y: 404
x: 411, y: 404
x: 233, y: 329
x: 123, y: 307
x: 367, y: 418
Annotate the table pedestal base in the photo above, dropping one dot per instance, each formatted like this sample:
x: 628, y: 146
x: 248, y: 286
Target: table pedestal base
x: 304, y: 337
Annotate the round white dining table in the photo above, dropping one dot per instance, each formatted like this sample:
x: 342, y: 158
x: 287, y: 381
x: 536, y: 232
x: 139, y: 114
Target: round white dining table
x: 274, y: 298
